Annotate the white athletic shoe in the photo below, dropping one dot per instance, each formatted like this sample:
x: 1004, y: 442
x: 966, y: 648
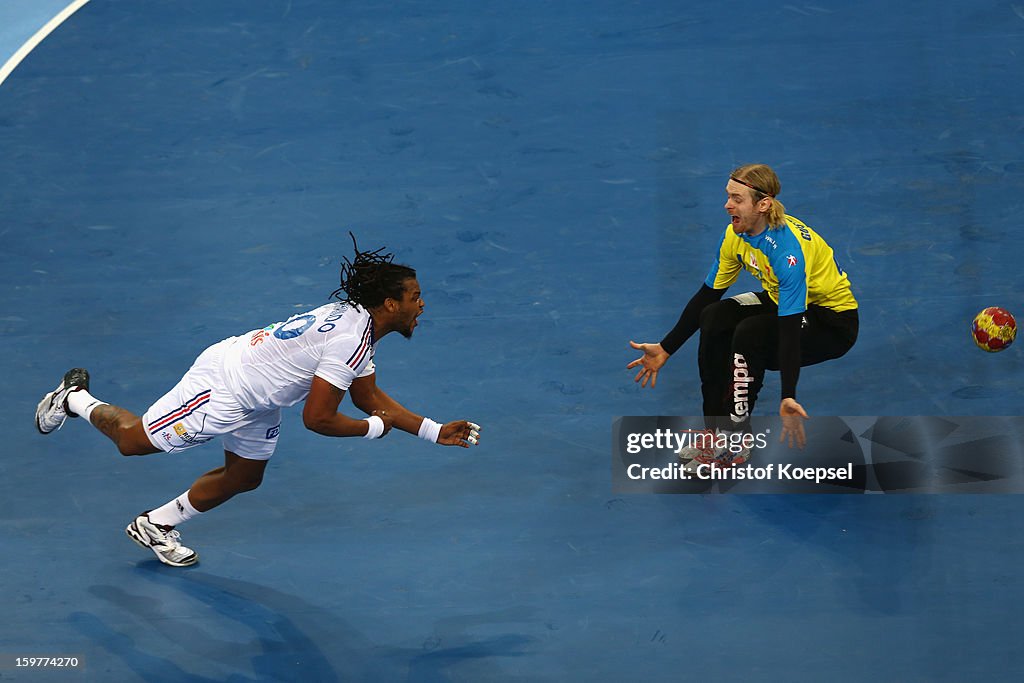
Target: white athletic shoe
x: 164, y: 541
x: 705, y: 437
x: 720, y: 457
x: 53, y: 409
x: 734, y: 459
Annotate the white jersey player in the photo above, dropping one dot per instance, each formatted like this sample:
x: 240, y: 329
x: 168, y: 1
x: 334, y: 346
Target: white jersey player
x: 237, y: 387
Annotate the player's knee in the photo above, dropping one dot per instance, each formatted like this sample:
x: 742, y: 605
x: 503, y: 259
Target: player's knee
x: 134, y: 449
x: 716, y: 317
x: 130, y: 437
x: 250, y: 484
x: 247, y: 482
x: 128, y: 442
x: 744, y: 338
x: 751, y: 336
x: 707, y: 315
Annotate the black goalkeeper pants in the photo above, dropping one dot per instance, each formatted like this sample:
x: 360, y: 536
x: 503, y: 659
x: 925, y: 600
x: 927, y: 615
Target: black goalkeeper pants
x: 739, y: 340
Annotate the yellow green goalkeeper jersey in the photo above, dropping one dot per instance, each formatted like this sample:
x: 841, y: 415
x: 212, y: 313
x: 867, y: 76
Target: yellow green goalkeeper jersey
x: 795, y: 265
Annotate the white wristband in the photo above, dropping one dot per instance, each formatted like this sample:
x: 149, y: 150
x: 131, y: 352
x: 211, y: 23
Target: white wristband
x: 429, y: 430
x: 376, y: 427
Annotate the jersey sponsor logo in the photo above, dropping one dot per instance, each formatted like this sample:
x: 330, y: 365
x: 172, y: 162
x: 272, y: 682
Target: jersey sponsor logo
x: 804, y: 232
x: 273, y: 432
x: 295, y: 326
x: 740, y: 391
x: 186, y: 437
x: 791, y: 260
x: 184, y: 440
x: 769, y: 240
x: 762, y: 272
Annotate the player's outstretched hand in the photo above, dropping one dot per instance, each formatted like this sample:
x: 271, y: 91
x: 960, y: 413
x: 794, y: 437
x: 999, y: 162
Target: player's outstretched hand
x: 386, y: 419
x: 653, y: 359
x: 459, y: 433
x: 793, y: 416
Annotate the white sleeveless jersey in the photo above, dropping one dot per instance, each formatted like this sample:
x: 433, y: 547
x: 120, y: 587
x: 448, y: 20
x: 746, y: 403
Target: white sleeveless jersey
x: 274, y: 367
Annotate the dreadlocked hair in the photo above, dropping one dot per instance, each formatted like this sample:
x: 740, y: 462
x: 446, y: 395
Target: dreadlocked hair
x: 371, y: 277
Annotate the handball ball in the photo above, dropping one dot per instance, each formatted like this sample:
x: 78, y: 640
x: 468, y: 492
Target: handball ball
x: 993, y: 329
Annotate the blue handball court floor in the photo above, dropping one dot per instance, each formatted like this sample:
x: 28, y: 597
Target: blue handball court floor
x: 174, y: 173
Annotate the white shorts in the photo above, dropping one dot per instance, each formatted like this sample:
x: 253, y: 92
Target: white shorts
x: 200, y: 408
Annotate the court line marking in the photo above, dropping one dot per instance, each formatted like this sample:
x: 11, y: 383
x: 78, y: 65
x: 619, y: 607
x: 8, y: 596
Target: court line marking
x: 39, y: 36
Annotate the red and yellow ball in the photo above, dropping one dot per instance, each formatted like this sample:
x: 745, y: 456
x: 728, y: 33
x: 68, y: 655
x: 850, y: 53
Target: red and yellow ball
x: 994, y: 329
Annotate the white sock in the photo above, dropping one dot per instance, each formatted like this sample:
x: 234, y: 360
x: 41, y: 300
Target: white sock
x: 82, y: 403
x: 174, y: 512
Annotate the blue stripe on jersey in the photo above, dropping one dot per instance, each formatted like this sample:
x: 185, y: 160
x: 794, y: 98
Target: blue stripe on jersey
x: 363, y: 347
x: 788, y: 260
x: 202, y: 394
x: 180, y: 413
